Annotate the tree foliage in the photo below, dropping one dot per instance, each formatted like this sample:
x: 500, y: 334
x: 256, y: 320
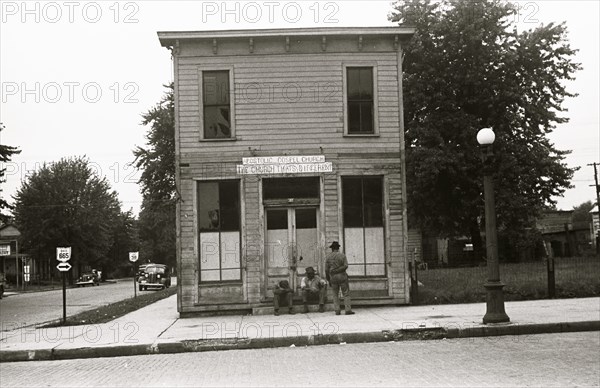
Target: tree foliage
x: 66, y: 204
x: 6, y: 153
x: 157, y: 160
x: 582, y: 213
x: 466, y: 68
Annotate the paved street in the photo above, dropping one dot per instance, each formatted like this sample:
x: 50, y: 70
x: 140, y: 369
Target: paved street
x: 37, y: 307
x: 569, y: 359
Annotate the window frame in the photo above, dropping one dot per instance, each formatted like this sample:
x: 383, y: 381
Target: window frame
x: 201, y: 71
x: 363, y: 227
x: 373, y: 66
x: 199, y: 231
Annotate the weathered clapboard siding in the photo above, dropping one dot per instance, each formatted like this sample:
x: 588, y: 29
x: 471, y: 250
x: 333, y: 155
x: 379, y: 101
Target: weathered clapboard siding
x: 287, y: 100
x: 299, y: 94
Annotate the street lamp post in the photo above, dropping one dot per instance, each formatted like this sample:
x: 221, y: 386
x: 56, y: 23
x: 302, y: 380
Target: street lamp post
x: 495, y: 298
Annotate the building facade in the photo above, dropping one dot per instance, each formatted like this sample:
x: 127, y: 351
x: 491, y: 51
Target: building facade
x: 287, y: 140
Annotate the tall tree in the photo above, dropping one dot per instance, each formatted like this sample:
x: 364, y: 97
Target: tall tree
x: 582, y: 213
x: 157, y: 160
x: 466, y: 68
x: 6, y: 153
x: 66, y: 204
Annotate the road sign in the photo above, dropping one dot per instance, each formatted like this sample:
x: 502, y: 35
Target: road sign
x: 4, y: 250
x: 63, y: 267
x: 63, y: 254
x: 133, y: 256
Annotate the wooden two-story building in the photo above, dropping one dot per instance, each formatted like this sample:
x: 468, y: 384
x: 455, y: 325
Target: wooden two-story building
x: 287, y: 140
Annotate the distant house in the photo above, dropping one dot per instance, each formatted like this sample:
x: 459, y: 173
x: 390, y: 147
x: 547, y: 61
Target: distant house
x: 287, y: 140
x: 14, y: 263
x: 562, y: 236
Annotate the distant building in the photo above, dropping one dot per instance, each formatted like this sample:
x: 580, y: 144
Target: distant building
x: 287, y: 140
x: 562, y: 236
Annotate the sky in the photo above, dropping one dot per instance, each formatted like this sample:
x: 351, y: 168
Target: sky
x: 77, y: 75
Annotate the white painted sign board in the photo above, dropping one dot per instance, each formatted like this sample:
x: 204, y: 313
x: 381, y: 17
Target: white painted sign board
x: 63, y: 254
x: 64, y: 267
x: 133, y: 256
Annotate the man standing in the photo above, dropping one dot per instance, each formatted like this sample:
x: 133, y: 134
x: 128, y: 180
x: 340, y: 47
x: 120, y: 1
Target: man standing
x: 283, y: 294
x: 313, y: 286
x: 335, y: 271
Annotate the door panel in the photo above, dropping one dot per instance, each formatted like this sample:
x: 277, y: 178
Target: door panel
x: 290, y: 245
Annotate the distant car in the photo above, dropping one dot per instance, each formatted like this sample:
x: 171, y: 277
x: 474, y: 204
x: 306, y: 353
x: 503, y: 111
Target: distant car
x: 89, y: 278
x: 155, y: 276
x: 2, y: 284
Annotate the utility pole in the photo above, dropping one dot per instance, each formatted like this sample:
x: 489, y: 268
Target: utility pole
x: 597, y: 201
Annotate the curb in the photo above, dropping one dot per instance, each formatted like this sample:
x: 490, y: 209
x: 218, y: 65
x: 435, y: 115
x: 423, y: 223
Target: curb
x: 206, y: 345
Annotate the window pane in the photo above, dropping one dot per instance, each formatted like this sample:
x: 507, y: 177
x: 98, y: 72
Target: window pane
x: 366, y: 117
x: 217, y: 123
x: 373, y: 201
x: 354, y: 117
x: 366, y: 83
x: 209, y: 251
x: 277, y: 238
x: 374, y: 245
x: 229, y: 198
x: 355, y: 251
x: 215, y: 87
x: 277, y: 219
x: 230, y: 250
x: 306, y: 218
x: 375, y: 269
x: 208, y: 206
x: 353, y: 79
x: 352, y: 202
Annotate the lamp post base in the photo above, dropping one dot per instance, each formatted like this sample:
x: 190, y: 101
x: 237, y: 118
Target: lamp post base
x: 495, y: 303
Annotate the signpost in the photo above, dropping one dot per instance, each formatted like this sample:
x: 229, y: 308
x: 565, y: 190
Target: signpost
x: 133, y: 257
x: 63, y: 255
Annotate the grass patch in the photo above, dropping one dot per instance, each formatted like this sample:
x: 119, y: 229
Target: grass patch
x: 115, y: 310
x: 575, y: 277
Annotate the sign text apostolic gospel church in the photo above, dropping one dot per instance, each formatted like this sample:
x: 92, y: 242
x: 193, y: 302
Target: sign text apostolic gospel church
x: 284, y: 165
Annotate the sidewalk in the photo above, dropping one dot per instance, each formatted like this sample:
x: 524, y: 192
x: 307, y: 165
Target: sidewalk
x: 158, y: 329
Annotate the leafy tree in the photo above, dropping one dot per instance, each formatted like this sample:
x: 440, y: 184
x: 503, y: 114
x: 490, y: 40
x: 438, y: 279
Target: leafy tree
x: 466, y: 68
x: 66, y: 204
x: 157, y: 160
x: 582, y: 213
x: 124, y: 238
x: 6, y: 153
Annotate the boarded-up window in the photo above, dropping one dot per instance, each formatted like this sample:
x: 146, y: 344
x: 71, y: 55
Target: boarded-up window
x: 364, y: 242
x: 216, y: 104
x: 219, y: 227
x: 360, y: 100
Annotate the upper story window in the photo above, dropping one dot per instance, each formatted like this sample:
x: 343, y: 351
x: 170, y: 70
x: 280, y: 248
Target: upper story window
x: 360, y: 101
x: 216, y: 105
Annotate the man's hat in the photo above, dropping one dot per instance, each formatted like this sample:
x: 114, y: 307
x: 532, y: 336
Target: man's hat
x: 334, y: 245
x: 310, y: 269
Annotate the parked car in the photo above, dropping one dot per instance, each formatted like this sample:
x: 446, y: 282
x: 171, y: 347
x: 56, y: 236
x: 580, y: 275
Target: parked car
x: 2, y: 284
x: 155, y: 276
x: 89, y: 278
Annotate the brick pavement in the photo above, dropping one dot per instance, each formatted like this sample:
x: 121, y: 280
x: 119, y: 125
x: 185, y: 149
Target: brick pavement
x: 547, y: 360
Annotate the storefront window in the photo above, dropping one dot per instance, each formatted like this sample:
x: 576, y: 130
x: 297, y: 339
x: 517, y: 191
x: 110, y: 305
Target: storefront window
x: 364, y: 243
x: 219, y: 227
